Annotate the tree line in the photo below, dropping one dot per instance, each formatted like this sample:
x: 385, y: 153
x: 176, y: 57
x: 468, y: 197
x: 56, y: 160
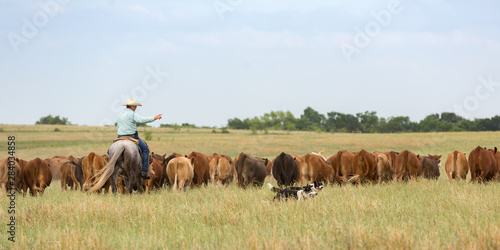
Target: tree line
x: 367, y: 122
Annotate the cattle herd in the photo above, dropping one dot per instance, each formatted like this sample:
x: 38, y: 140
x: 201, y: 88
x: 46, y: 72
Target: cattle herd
x: 179, y: 172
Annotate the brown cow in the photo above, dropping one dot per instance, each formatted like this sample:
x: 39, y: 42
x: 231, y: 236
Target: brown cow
x: 68, y: 177
x: 392, y: 156
x: 456, y: 166
x: 235, y: 177
x: 364, y: 166
x: 91, y: 165
x: 318, y: 169
x: 37, y: 176
x: 407, y: 166
x: 341, y: 166
x: 482, y: 164
x: 180, y: 173
x: 156, y: 172
x: 384, y: 167
x: 10, y: 178
x: 55, y: 165
x: 269, y: 165
x: 430, y: 166
x: 221, y: 171
x: 303, y: 168
x: 200, y: 163
x: 22, y: 164
x: 496, y: 154
x: 251, y: 171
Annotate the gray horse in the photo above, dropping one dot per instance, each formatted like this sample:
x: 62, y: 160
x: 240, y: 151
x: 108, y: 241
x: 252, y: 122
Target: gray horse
x: 124, y: 158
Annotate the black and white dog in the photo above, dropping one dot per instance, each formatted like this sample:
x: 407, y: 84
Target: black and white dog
x: 298, y: 193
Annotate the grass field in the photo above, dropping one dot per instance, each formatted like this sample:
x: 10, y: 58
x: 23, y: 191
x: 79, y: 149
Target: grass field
x: 418, y: 214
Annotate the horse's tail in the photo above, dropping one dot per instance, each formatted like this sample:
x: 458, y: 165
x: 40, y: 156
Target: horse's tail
x: 102, y: 176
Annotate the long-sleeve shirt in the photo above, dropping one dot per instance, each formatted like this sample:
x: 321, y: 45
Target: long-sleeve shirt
x: 127, y: 121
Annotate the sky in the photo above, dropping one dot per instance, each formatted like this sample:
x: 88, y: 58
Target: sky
x: 204, y: 62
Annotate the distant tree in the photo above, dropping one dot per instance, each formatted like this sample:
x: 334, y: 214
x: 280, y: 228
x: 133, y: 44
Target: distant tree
x: 450, y: 117
x: 341, y: 122
x: 487, y: 124
x: 311, y: 120
x: 368, y: 121
x: 429, y: 123
x: 236, y: 123
x: 399, y: 124
x: 53, y: 120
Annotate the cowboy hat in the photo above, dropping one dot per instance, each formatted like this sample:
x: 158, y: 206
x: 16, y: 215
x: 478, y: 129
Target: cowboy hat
x: 132, y: 102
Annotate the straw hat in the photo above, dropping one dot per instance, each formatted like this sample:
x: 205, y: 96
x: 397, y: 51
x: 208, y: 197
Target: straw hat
x: 132, y: 102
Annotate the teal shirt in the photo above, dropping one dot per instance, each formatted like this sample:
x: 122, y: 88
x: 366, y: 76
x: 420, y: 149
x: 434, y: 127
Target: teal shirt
x: 127, y: 121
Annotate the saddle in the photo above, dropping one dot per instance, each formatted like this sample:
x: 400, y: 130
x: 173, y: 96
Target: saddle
x: 127, y: 138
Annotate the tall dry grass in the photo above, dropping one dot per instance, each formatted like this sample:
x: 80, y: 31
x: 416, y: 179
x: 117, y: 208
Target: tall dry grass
x: 418, y: 214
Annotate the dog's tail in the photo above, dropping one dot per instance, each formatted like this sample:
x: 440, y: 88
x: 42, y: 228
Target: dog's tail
x: 274, y: 189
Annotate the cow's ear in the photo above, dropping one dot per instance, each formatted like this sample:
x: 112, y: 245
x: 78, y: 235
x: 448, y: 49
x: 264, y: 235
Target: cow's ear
x: 418, y: 156
x: 439, y: 156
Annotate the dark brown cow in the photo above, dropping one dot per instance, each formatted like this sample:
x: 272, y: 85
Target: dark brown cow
x: 10, y: 178
x: 482, y: 164
x: 430, y: 166
x: 37, y: 176
x: 318, y: 169
x: 407, y: 166
x: 456, y: 165
x: 285, y: 170
x: 251, y: 171
x: 200, y: 163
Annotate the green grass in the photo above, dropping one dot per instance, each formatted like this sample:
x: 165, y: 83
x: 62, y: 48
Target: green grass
x: 419, y: 214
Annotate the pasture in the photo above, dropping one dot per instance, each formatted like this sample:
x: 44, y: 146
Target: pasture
x: 417, y: 214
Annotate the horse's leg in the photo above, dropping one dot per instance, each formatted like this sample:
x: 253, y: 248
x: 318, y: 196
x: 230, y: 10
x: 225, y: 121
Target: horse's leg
x: 140, y: 186
x: 130, y: 184
x: 113, y: 180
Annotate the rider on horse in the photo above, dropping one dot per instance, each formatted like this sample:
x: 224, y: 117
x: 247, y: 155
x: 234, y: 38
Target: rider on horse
x: 127, y: 126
